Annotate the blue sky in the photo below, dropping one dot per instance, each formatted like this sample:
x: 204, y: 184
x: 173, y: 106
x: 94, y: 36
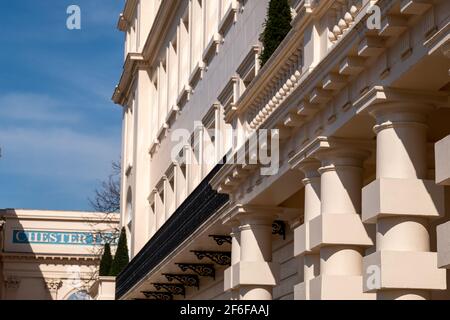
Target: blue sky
x: 59, y: 130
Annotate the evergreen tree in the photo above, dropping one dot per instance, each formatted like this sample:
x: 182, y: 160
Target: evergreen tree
x: 106, y: 261
x: 276, y: 27
x: 121, y: 259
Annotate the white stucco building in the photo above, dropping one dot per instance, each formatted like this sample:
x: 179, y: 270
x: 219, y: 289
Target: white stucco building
x: 353, y: 109
x: 52, y: 255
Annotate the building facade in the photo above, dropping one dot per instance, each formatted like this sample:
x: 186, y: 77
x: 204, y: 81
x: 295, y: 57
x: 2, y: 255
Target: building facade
x: 312, y: 177
x: 51, y: 255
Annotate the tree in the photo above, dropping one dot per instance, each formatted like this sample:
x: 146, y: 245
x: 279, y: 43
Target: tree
x: 106, y: 261
x: 121, y: 259
x: 276, y: 27
x: 107, y: 197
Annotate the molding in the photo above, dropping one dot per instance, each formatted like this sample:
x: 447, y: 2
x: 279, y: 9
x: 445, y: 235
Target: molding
x: 315, y: 149
x: 184, y: 96
x: 212, y: 48
x: 132, y: 62
x: 237, y: 212
x: 127, y: 14
x: 172, y: 115
x: 210, y: 118
x: 31, y: 257
x: 440, y: 40
x: 53, y: 285
x: 197, y: 74
x: 380, y: 95
x: 12, y: 282
x: 250, y: 61
x: 229, y: 18
x: 82, y: 216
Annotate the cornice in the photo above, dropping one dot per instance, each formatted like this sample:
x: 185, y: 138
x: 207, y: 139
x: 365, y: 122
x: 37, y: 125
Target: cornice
x: 167, y: 10
x: 238, y: 212
x: 385, y: 95
x: 18, y: 256
x: 126, y: 15
x: 19, y: 214
x: 321, y: 145
x: 132, y: 62
x: 151, y: 48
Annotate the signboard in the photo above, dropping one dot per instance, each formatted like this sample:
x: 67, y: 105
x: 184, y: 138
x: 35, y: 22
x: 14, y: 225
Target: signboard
x: 61, y: 238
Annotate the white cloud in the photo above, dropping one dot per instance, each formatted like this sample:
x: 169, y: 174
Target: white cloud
x: 63, y: 154
x: 36, y: 108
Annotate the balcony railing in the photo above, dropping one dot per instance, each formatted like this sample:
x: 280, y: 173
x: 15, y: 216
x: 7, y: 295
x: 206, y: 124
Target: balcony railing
x: 201, y: 204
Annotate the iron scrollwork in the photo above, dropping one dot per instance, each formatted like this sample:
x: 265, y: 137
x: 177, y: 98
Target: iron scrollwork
x: 175, y: 289
x: 221, y: 258
x: 188, y: 280
x: 279, y: 227
x: 221, y: 240
x: 162, y: 296
x: 203, y: 270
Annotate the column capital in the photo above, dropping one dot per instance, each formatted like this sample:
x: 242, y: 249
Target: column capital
x: 256, y: 214
x: 382, y: 102
x: 324, y: 149
x: 12, y: 282
x: 337, y: 152
x: 308, y: 166
x: 53, y: 284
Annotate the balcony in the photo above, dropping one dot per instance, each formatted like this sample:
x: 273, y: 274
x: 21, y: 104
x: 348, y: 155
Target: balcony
x: 201, y: 204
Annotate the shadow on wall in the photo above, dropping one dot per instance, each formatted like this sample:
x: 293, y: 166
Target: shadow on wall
x: 39, y: 263
x: 21, y: 280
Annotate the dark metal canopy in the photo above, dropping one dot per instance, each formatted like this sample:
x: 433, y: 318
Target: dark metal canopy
x: 196, y: 209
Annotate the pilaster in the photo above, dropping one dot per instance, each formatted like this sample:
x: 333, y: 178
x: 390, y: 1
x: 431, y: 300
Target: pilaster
x: 142, y: 134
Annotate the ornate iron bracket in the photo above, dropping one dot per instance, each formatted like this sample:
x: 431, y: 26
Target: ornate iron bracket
x: 203, y: 270
x: 162, y: 296
x: 221, y: 258
x: 188, y: 280
x: 175, y: 289
x: 221, y: 240
x: 279, y: 227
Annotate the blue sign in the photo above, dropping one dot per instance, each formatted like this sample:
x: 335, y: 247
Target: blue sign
x: 62, y: 238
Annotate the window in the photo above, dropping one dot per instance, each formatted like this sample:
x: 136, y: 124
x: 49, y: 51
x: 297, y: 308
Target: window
x: 130, y: 133
x: 249, y: 68
x: 80, y: 295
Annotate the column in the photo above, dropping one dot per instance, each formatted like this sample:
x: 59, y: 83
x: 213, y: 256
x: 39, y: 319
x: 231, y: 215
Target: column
x: 401, y: 202
x: 255, y: 253
x: 309, y: 260
x: 141, y: 165
x: 338, y: 232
